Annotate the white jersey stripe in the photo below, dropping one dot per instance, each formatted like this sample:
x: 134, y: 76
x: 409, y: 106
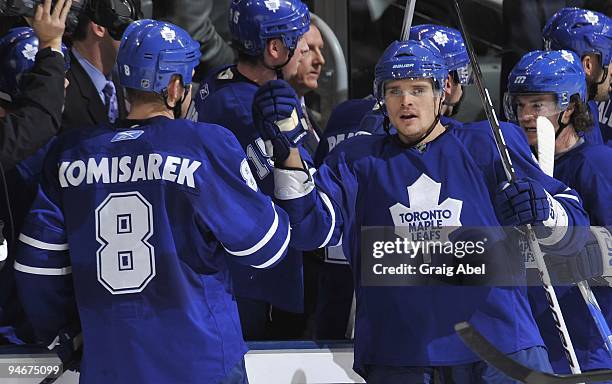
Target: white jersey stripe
x: 41, y: 244
x: 43, y: 271
x: 332, y: 212
x: 261, y: 242
x: 279, y: 254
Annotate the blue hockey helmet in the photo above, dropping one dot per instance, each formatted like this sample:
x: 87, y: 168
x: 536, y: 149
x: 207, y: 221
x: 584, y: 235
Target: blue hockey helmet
x: 18, y: 49
x: 552, y: 72
x: 409, y: 60
x: 151, y: 52
x: 253, y: 22
x: 450, y: 44
x: 581, y: 31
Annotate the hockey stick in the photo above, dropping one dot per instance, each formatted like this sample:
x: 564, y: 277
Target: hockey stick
x: 487, y: 351
x: 546, y: 158
x: 511, y: 176
x: 408, y: 15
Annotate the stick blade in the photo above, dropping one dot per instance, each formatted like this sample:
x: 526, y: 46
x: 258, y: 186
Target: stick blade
x: 546, y: 145
x: 488, y: 352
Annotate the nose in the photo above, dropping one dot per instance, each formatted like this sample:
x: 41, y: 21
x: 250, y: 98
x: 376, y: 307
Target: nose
x: 319, y: 59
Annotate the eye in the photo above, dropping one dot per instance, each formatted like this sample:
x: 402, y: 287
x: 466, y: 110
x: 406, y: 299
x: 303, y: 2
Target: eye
x: 394, y: 92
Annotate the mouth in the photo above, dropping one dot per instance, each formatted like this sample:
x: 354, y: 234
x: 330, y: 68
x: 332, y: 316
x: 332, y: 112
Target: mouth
x: 532, y: 130
x: 407, y: 117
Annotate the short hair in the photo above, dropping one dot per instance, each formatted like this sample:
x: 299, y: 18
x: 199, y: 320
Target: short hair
x: 136, y: 95
x: 80, y: 31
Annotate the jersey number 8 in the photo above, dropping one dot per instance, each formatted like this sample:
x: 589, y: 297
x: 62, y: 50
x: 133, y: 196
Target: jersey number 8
x: 125, y: 261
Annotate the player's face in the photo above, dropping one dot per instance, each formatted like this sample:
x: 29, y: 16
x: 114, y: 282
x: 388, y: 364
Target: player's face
x: 454, y: 92
x: 412, y: 106
x: 291, y: 68
x: 309, y: 68
x: 529, y: 107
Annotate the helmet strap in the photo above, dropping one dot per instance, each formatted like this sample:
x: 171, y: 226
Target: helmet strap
x: 561, y: 125
x: 431, y: 127
x: 177, y: 109
x: 592, y: 88
x: 279, y: 68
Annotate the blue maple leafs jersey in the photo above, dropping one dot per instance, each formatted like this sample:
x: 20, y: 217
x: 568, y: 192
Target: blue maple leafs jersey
x: 588, y: 169
x: 344, y: 122
x: 226, y: 99
x: 133, y: 229
x: 604, y: 114
x: 369, y: 181
x: 595, y: 135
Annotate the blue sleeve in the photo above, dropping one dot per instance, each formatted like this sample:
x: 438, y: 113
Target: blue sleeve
x: 43, y: 271
x: 596, y: 177
x: 246, y: 222
x: 525, y: 165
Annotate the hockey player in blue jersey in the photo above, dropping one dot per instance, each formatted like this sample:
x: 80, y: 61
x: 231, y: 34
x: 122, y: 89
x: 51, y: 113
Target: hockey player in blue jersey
x: 405, y: 334
x: 551, y: 84
x: 133, y: 225
x: 589, y: 35
x: 268, y: 36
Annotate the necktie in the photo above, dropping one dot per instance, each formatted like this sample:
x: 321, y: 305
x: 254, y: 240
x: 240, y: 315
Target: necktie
x: 110, y: 100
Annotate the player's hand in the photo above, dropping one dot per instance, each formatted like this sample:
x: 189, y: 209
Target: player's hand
x: 591, y: 263
x: 277, y: 115
x: 49, y: 25
x: 522, y: 202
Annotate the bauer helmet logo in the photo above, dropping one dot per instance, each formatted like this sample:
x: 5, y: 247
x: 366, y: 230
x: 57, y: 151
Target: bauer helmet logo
x: 520, y: 79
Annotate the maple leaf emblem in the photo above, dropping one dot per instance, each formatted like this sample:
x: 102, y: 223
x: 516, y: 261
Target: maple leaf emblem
x: 168, y: 34
x: 591, y: 18
x: 29, y: 52
x: 567, y: 56
x: 440, y: 38
x: 272, y: 5
x: 425, y: 212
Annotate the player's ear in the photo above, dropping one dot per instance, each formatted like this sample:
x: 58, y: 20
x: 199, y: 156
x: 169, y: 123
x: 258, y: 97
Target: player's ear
x: 175, y: 90
x: 588, y: 64
x: 567, y: 114
x: 274, y: 48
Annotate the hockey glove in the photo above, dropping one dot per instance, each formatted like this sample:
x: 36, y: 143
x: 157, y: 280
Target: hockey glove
x: 520, y: 203
x: 593, y: 262
x: 277, y: 115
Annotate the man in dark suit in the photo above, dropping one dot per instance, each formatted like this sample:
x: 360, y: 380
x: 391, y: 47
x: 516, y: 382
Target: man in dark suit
x: 94, y: 95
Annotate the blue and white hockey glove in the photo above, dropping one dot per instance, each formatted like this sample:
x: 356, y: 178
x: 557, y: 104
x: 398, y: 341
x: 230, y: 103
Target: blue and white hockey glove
x: 593, y: 262
x: 278, y: 117
x: 527, y: 202
x: 520, y: 203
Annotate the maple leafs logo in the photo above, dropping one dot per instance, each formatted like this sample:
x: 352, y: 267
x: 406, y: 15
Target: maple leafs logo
x: 425, y: 213
x: 591, y: 18
x: 168, y: 34
x: 29, y: 52
x: 440, y: 38
x: 567, y: 56
x: 272, y: 5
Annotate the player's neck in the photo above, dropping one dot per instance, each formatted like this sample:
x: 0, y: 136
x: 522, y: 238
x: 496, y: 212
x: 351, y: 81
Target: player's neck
x: 256, y: 73
x: 143, y: 111
x: 566, y: 140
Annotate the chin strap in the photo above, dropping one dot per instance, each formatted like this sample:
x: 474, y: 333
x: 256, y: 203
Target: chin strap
x: 431, y: 127
x: 593, y: 87
x: 561, y: 125
x: 279, y: 68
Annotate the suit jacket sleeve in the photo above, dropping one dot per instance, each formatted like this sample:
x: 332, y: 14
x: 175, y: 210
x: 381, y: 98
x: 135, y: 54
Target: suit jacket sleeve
x: 38, y: 110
